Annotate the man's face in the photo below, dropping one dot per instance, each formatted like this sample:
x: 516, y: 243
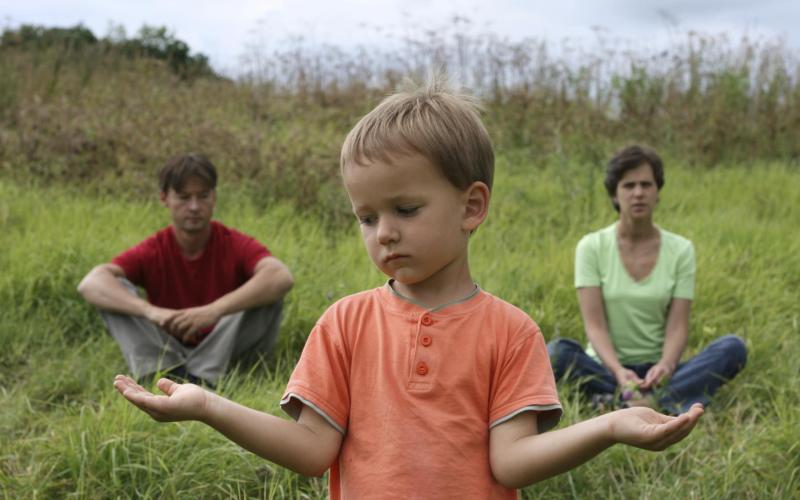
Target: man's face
x: 191, y: 208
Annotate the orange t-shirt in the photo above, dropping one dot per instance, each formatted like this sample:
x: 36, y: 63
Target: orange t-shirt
x: 416, y: 392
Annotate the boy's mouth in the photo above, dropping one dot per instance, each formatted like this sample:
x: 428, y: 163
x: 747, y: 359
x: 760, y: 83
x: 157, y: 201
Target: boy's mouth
x: 393, y: 256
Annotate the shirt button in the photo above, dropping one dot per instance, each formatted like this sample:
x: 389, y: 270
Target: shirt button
x: 422, y: 368
x: 426, y: 320
x: 426, y: 340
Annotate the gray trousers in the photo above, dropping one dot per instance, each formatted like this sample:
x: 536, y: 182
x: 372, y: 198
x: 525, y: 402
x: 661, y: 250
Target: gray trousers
x: 244, y: 336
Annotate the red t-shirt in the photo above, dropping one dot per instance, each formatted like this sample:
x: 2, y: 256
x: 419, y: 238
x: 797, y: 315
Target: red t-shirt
x: 176, y: 282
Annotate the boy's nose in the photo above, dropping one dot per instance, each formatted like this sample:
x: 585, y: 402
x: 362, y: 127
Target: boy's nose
x: 387, y: 233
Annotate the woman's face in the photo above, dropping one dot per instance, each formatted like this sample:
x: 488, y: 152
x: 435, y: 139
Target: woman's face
x: 637, y: 193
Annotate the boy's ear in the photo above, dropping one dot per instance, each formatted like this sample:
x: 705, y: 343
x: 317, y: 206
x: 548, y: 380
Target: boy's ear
x: 476, y: 206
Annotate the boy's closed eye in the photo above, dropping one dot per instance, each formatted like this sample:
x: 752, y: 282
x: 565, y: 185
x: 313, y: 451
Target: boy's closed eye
x: 366, y: 220
x: 407, y: 210
x: 401, y: 210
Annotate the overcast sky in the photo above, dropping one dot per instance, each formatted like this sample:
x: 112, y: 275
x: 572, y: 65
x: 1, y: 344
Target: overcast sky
x: 223, y: 29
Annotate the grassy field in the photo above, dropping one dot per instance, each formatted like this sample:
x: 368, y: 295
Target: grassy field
x: 83, y: 126
x: 64, y: 433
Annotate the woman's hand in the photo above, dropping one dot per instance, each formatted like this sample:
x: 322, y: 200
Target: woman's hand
x: 646, y: 428
x: 182, y: 401
x: 658, y: 373
x: 625, y: 377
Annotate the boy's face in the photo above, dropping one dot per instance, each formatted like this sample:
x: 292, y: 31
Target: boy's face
x: 414, y: 222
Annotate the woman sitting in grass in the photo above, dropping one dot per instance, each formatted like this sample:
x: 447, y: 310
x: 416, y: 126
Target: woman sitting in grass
x: 635, y: 286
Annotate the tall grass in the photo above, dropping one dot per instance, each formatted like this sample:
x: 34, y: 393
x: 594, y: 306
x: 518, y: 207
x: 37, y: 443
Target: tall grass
x: 97, y: 119
x: 65, y: 433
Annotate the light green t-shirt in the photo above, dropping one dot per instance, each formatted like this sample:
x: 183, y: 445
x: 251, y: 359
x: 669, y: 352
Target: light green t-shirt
x: 636, y: 311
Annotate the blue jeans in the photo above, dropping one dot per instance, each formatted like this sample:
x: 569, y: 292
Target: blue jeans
x: 694, y: 381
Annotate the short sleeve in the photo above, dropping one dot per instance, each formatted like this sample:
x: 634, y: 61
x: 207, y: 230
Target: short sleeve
x: 524, y: 381
x: 249, y: 252
x: 587, y: 270
x: 685, y: 269
x: 321, y: 379
x: 134, y: 260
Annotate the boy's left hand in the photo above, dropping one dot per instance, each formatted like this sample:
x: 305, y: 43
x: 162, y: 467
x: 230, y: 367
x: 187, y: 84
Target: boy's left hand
x: 646, y: 428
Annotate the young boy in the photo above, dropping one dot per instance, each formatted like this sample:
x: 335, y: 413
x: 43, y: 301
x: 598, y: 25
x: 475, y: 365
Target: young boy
x: 426, y: 387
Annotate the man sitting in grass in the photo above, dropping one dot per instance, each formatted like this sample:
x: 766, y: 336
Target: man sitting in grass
x: 214, y: 295
x: 427, y: 386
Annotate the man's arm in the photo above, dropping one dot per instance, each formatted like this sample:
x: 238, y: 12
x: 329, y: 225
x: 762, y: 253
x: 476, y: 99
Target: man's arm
x: 271, y: 280
x: 308, y: 446
x: 676, y: 336
x: 101, y: 288
x: 596, y: 327
x: 519, y: 456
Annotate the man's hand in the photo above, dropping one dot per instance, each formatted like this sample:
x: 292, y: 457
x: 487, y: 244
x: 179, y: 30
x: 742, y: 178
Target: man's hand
x: 159, y: 315
x: 646, y: 428
x: 186, y: 323
x: 657, y: 374
x: 162, y: 317
x: 182, y: 401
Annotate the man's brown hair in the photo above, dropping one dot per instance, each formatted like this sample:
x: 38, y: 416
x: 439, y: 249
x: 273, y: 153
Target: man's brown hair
x: 178, y: 169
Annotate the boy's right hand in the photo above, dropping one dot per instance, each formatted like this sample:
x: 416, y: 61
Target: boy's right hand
x: 182, y: 401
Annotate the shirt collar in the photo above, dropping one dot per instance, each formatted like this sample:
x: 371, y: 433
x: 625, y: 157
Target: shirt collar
x: 463, y: 300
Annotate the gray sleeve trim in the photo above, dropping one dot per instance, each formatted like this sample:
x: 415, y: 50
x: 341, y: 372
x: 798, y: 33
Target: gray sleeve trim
x: 286, y: 406
x: 548, y: 423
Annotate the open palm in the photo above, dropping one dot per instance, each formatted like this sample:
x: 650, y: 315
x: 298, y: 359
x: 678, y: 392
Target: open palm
x: 181, y: 402
x: 646, y: 428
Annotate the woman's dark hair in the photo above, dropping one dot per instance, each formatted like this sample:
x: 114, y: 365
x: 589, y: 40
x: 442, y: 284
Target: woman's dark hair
x: 177, y: 170
x: 629, y: 158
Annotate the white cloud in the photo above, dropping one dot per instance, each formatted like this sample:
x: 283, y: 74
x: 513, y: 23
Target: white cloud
x: 222, y: 30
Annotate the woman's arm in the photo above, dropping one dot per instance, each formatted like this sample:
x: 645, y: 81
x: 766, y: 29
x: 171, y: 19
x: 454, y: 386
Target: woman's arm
x: 676, y: 335
x: 594, y: 323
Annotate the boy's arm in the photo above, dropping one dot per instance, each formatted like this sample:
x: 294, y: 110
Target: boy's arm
x: 308, y: 446
x: 520, y: 456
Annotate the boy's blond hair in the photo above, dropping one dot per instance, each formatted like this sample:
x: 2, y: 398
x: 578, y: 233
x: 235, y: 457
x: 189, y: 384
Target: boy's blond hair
x: 432, y: 120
